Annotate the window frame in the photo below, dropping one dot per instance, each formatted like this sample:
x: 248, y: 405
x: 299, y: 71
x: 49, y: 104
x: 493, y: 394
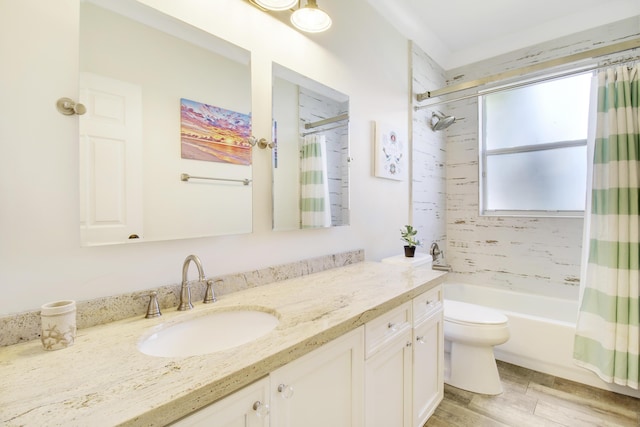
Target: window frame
x: 484, y: 153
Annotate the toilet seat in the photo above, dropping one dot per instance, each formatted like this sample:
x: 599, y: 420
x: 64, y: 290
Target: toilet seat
x: 463, y: 313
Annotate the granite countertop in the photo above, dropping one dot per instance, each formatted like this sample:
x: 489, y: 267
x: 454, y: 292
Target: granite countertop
x: 104, y: 380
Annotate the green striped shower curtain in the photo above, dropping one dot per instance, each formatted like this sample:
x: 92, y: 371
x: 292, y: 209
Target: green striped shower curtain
x: 315, y: 207
x: 608, y: 331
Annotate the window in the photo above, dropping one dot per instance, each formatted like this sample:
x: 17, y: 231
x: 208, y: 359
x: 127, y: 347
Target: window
x: 534, y: 148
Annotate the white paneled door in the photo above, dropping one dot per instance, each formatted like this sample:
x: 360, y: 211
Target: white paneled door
x: 111, y: 198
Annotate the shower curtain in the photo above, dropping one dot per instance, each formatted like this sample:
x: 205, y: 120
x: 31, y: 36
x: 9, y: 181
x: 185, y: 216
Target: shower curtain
x: 315, y: 206
x: 607, y: 337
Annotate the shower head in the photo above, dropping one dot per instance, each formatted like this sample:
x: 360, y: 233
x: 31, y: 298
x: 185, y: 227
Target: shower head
x: 440, y: 122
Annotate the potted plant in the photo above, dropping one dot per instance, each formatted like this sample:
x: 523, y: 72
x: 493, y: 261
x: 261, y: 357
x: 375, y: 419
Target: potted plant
x: 408, y: 234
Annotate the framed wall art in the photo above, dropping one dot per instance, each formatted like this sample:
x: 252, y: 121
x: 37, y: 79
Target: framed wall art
x: 214, y: 134
x: 390, y: 152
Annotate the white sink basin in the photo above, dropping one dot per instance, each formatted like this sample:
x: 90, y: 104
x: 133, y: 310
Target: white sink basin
x: 209, y: 333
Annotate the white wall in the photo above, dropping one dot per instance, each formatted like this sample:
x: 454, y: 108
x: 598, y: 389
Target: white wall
x: 286, y: 176
x: 40, y: 254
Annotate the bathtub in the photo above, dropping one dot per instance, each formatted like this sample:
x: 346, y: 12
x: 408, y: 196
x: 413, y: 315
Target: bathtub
x: 542, y: 330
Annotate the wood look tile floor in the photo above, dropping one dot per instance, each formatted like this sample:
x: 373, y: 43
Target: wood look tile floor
x: 534, y: 399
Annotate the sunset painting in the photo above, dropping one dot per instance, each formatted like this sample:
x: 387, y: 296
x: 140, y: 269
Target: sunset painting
x: 214, y: 134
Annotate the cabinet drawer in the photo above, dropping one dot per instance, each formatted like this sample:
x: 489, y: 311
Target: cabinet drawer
x: 426, y: 304
x: 386, y: 328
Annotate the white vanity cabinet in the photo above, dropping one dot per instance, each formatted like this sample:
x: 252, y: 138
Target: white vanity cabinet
x: 404, y: 363
x: 428, y: 355
x: 322, y: 388
x: 388, y: 341
x: 248, y: 407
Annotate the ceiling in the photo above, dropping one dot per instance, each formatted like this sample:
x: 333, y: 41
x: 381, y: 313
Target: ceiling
x: 460, y: 32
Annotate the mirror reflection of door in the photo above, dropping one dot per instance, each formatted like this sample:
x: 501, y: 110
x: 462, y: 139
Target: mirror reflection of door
x: 110, y: 161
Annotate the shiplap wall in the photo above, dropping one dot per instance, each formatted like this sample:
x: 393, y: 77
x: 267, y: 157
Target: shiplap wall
x: 428, y: 185
x: 537, y: 255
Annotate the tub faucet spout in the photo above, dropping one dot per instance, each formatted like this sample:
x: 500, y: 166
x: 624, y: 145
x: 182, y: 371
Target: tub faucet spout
x: 185, y: 291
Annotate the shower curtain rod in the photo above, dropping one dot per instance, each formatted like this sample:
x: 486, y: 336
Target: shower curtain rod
x: 312, y: 125
x: 325, y: 129
x: 528, y: 82
x: 523, y: 71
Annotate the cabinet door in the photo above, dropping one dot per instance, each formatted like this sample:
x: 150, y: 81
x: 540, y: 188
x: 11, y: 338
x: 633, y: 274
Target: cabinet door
x: 428, y: 368
x: 388, y: 385
x: 248, y: 407
x: 322, y: 388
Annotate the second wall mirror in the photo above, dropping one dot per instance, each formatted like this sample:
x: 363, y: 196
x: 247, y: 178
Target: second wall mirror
x: 310, y: 153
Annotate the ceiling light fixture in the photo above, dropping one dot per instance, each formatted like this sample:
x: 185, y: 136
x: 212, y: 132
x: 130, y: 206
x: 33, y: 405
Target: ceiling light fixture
x: 311, y: 18
x: 276, y: 4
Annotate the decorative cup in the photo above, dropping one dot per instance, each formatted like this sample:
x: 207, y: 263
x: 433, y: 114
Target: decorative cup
x: 58, y: 324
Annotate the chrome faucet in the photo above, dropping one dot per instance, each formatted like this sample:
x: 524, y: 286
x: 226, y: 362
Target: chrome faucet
x: 185, y: 292
x: 435, y: 252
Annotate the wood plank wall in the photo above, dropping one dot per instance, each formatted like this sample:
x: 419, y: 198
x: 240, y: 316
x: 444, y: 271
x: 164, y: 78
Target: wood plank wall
x: 538, y: 255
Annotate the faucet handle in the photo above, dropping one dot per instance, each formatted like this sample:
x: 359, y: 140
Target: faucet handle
x: 435, y: 251
x: 153, y: 310
x: 209, y: 294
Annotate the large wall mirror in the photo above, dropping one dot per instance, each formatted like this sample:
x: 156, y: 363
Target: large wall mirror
x: 311, y: 153
x: 163, y: 150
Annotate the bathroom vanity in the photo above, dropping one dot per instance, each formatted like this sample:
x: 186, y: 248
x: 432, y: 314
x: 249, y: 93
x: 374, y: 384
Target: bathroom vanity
x: 339, y: 334
x: 400, y: 354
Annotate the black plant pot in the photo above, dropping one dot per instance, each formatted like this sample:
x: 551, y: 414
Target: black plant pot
x: 409, y: 251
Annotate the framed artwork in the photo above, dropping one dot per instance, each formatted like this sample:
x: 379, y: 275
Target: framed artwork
x: 214, y: 134
x: 390, y: 152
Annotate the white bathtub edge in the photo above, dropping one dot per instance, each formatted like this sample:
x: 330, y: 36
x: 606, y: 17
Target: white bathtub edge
x: 538, y: 342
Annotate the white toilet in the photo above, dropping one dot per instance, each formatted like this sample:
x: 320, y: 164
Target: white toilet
x: 470, y: 332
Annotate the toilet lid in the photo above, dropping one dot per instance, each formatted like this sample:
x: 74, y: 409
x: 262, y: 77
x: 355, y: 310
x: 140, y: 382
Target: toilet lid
x: 462, y: 312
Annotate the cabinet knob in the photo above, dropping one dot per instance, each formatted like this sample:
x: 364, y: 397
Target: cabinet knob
x: 286, y: 391
x: 262, y: 410
x: 409, y: 344
x: 392, y: 327
x: 420, y: 340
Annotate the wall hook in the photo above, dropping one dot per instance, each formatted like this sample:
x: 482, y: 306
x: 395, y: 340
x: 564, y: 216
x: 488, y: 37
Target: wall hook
x: 261, y: 143
x: 68, y: 107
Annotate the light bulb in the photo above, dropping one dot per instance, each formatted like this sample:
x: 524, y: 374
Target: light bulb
x: 311, y: 19
x: 276, y: 4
